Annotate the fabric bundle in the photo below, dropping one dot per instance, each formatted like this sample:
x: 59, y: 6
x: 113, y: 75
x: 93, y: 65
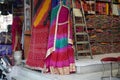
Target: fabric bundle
x: 104, y: 33
x: 116, y: 47
x: 5, y: 49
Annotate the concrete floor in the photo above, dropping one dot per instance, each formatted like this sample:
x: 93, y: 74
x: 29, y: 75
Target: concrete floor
x: 32, y: 75
x: 86, y: 71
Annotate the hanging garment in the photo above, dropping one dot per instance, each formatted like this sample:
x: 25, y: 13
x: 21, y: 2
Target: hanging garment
x: 39, y: 37
x: 16, y: 33
x: 60, y: 57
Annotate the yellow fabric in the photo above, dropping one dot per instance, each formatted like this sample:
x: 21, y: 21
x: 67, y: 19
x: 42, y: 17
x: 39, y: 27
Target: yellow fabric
x: 42, y: 12
x: 107, y: 8
x: 63, y: 70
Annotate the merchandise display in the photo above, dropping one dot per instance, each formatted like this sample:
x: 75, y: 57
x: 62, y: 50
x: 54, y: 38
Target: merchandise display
x: 104, y: 27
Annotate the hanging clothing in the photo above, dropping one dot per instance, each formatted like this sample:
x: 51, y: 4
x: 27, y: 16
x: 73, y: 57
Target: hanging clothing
x: 16, y: 33
x: 60, y: 53
x: 39, y: 35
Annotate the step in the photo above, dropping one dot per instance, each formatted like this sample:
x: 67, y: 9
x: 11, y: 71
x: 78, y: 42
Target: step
x: 83, y: 51
x: 87, y: 76
x: 86, y: 65
x: 80, y: 24
x: 76, y: 76
x: 94, y: 66
x: 77, y: 12
x: 81, y: 33
x: 82, y: 42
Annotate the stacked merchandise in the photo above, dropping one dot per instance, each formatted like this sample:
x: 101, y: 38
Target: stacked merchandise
x: 102, y: 8
x: 90, y: 7
x: 104, y: 33
x: 116, y: 1
x: 104, y: 25
x: 103, y: 21
x: 116, y: 7
x: 90, y: 20
x: 5, y: 43
x: 116, y: 34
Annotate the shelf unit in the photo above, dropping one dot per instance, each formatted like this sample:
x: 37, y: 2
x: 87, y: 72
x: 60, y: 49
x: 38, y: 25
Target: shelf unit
x: 105, y: 33
x: 103, y: 25
x: 18, y: 9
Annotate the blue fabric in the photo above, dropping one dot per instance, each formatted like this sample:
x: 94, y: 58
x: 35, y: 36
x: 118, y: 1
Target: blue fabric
x: 55, y: 3
x: 17, y: 2
x: 5, y: 50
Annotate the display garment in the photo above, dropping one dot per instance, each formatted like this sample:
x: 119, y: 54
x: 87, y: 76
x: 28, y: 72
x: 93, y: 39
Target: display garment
x: 39, y: 35
x: 60, y: 53
x: 16, y: 33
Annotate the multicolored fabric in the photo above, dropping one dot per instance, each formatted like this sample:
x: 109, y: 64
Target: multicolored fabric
x: 42, y: 8
x: 39, y: 37
x: 60, y: 57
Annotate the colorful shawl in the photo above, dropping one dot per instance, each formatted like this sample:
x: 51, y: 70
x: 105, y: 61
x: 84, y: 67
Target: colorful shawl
x: 60, y: 57
x: 54, y: 25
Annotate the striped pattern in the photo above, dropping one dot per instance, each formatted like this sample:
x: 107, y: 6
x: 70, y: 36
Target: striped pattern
x: 41, y: 11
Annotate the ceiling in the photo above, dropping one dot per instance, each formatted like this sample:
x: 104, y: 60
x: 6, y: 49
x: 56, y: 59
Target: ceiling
x: 7, y: 5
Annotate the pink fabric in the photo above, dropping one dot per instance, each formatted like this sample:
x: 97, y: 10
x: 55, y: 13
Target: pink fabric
x: 39, y: 37
x: 38, y: 47
x: 60, y: 52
